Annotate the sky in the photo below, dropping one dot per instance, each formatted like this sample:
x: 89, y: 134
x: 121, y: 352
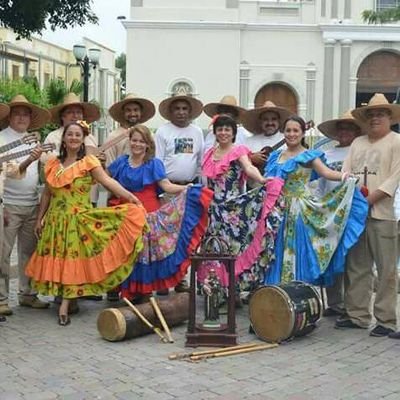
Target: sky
x: 108, y: 32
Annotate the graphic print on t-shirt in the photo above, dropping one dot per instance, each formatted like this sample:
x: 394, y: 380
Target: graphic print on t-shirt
x: 336, y: 165
x: 183, y: 145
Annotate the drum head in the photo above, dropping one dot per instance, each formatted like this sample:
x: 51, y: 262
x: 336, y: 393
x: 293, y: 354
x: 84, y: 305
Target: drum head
x: 271, y: 314
x: 111, y: 325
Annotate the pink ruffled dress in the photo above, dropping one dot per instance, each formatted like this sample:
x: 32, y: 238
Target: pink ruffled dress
x: 248, y: 221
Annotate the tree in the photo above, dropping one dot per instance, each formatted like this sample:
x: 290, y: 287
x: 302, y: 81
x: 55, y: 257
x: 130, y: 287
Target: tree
x: 26, y: 17
x: 380, y: 17
x: 56, y: 90
x: 120, y: 62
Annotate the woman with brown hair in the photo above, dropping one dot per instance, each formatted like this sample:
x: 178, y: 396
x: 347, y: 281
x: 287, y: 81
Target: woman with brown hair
x: 82, y: 250
x: 175, y: 228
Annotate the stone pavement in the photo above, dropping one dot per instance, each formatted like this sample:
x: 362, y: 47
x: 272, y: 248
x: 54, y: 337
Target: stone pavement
x: 41, y: 360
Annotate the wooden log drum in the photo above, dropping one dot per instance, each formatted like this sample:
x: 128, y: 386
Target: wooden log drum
x: 116, y: 324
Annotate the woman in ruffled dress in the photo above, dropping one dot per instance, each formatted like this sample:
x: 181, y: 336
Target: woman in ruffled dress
x: 82, y: 250
x: 175, y: 228
x: 247, y: 221
x: 317, y: 229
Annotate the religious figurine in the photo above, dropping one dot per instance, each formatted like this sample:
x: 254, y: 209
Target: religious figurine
x: 212, y: 293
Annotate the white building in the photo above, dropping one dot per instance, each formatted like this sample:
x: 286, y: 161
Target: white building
x: 316, y: 57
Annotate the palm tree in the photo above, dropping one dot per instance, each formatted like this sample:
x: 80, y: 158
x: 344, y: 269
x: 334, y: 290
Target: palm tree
x: 56, y: 90
x: 381, y: 17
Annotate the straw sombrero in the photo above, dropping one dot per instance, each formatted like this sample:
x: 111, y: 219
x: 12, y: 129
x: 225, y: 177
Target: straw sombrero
x: 39, y: 116
x: 4, y: 111
x: 91, y: 112
x: 251, y: 119
x: 211, y: 109
x: 196, y: 106
x: 378, y: 100
x: 117, y: 110
x: 329, y: 128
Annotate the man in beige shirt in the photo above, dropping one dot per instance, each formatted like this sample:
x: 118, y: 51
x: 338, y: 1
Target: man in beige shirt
x: 374, y: 158
x: 130, y: 111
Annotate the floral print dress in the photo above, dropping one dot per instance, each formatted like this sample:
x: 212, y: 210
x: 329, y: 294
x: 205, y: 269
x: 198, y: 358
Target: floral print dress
x: 83, y: 250
x: 317, y: 229
x: 247, y: 221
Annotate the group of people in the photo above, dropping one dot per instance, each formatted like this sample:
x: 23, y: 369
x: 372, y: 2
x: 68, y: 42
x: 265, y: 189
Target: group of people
x: 286, y: 211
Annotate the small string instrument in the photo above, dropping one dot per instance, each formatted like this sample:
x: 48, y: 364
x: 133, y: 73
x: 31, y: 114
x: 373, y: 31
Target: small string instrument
x: 267, y: 150
x: 17, y: 154
x: 29, y: 138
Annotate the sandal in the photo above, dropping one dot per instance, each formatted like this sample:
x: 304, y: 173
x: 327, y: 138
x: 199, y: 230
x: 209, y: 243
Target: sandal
x: 64, y: 320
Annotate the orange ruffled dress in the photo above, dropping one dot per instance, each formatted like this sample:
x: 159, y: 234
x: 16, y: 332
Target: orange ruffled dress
x: 83, y: 250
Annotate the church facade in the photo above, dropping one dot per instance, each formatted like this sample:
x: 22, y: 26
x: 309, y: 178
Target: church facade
x: 315, y: 57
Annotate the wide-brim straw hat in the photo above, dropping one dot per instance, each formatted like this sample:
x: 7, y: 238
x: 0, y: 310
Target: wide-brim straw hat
x: 211, y: 109
x: 196, y: 106
x: 252, y: 121
x: 117, y: 110
x: 378, y: 101
x: 91, y: 112
x: 39, y: 116
x: 329, y: 128
x: 4, y: 111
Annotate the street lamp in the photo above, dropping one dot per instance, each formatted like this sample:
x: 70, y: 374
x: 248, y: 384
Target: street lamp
x: 85, y: 60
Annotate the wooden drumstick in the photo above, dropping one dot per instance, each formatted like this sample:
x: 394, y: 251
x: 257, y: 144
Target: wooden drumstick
x: 234, y: 352
x: 145, y: 320
x: 160, y: 316
x: 179, y: 356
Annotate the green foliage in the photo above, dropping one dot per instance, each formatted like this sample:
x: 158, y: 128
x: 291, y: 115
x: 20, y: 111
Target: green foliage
x: 26, y: 17
x: 120, y: 62
x: 56, y: 90
x: 381, y: 17
x: 26, y: 86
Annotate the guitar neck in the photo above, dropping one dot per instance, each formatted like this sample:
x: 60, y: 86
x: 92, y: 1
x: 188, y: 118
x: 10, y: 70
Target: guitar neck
x: 17, y: 154
x: 11, y: 145
x: 112, y: 142
x: 276, y: 146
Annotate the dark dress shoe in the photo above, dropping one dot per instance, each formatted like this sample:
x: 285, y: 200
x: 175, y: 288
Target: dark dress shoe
x: 112, y: 296
x: 64, y: 320
x: 347, y: 323
x: 94, y: 298
x: 3, y: 318
x: 330, y: 312
x: 381, y: 331
x: 394, y: 335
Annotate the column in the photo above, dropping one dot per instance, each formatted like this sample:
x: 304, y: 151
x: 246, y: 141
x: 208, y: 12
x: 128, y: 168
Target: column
x: 311, y: 73
x: 244, y: 84
x: 347, y: 9
x: 344, y: 90
x: 334, y: 9
x: 327, y: 100
x: 352, y: 91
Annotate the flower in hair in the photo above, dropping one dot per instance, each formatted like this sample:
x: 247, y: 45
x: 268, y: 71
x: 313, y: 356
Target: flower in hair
x: 83, y: 124
x: 213, y: 119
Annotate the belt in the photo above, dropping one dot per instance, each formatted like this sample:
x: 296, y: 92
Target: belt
x: 195, y: 180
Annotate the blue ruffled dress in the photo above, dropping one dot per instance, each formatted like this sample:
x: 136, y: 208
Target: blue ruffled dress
x: 317, y: 229
x: 175, y: 228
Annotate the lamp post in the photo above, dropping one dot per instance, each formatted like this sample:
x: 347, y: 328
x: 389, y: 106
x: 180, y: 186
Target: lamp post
x: 85, y: 61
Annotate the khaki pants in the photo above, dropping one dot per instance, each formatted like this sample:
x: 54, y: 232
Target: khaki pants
x: 335, y: 294
x: 21, y: 223
x: 377, y: 244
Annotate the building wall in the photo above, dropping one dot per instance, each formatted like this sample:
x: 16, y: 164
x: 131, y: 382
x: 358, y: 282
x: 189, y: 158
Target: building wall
x: 236, y: 47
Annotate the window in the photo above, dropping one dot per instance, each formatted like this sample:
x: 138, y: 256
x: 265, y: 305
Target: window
x: 15, y: 72
x: 382, y: 5
x: 46, y: 79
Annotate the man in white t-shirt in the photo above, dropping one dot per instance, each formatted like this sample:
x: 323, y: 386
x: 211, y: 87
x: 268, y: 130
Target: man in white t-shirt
x: 264, y: 123
x: 130, y: 111
x: 180, y: 144
x: 227, y: 106
x: 21, y: 200
x: 344, y: 130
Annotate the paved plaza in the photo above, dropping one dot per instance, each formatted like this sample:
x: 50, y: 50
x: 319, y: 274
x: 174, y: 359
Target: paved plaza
x: 41, y: 360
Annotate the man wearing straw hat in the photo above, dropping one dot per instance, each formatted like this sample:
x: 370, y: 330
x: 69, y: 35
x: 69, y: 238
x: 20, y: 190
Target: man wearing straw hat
x: 130, y: 111
x: 264, y: 123
x: 228, y: 106
x: 72, y: 109
x: 21, y: 199
x: 343, y: 130
x: 374, y: 158
x: 180, y: 144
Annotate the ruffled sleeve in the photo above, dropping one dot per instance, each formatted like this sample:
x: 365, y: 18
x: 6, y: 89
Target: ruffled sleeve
x: 282, y: 170
x: 57, y: 176
x: 212, y: 168
x: 135, y: 178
